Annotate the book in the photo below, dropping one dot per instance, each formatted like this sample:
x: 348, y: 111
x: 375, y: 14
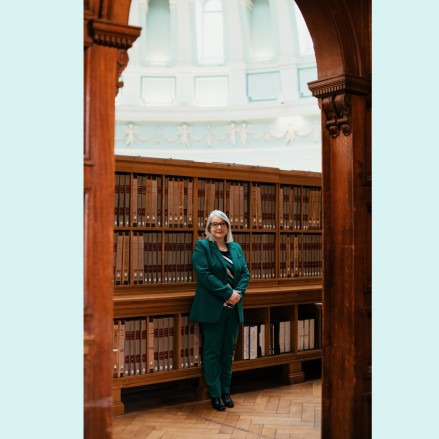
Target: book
x: 171, y: 344
x: 119, y: 251
x: 135, y: 264
x: 150, y: 344
x: 160, y: 344
x: 116, y: 199
x: 127, y: 200
x: 261, y: 340
x: 115, y: 350
x: 189, y: 201
x: 171, y: 203
x: 287, y: 336
x: 121, y: 201
x: 143, y: 346
x: 148, y: 201
x: 165, y: 337
x: 305, y: 334
x: 300, y: 335
x: 125, y: 259
x: 115, y: 235
x: 127, y: 358
x: 182, y: 350
x: 156, y: 344
x: 246, y: 342
x: 191, y: 343
x: 253, y: 341
x: 196, y: 344
x: 281, y: 337
x: 281, y: 208
x: 154, y: 203
x: 121, y: 347
x: 137, y: 348
x: 186, y: 341
x: 132, y: 348
x: 141, y: 258
x: 134, y: 200
x: 141, y: 192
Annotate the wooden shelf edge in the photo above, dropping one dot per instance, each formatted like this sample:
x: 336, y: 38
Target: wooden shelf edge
x: 196, y: 372
x: 157, y: 377
x: 276, y: 360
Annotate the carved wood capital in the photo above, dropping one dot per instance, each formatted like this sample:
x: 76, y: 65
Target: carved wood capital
x: 334, y: 96
x: 110, y: 34
x: 114, y: 35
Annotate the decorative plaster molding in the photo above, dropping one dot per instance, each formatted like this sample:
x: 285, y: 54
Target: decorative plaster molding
x: 233, y: 133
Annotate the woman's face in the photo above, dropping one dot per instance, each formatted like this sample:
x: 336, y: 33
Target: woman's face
x: 218, y: 228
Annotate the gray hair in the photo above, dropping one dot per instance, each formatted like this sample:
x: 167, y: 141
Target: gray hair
x: 222, y: 215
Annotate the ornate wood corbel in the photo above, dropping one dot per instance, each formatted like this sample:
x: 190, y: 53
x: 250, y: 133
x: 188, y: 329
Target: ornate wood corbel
x: 334, y: 96
x: 115, y: 35
x: 122, y: 62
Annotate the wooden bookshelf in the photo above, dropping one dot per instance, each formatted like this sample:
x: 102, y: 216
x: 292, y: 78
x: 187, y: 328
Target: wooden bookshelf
x: 161, y: 208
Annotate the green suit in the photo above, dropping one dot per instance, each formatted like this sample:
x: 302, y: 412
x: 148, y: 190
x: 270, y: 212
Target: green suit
x: 219, y: 324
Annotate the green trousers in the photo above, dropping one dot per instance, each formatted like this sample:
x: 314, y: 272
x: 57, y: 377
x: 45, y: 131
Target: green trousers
x: 218, y: 345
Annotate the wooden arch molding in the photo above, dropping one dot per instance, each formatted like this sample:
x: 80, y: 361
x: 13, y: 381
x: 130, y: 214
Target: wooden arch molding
x: 341, y: 32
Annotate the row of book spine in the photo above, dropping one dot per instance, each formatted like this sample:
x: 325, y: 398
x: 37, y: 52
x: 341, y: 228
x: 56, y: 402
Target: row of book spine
x: 141, y: 201
x: 307, y: 336
x: 148, y: 345
x: 300, y: 208
x: 253, y: 338
x: 146, y: 258
x: 300, y: 255
x: 263, y: 212
x: 263, y: 265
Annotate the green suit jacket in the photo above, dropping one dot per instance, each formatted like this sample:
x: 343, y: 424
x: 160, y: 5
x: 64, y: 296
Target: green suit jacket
x: 212, y: 290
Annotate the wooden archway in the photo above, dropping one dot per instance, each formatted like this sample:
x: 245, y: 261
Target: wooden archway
x: 341, y: 32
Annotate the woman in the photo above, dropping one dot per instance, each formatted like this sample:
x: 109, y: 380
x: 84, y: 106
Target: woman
x: 222, y: 278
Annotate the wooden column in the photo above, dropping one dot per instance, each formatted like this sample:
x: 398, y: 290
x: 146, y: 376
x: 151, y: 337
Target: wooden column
x: 346, y: 387
x: 105, y: 45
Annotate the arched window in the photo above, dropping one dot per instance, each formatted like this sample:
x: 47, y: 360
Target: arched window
x: 306, y: 46
x: 261, y: 33
x: 158, y: 35
x: 210, y: 32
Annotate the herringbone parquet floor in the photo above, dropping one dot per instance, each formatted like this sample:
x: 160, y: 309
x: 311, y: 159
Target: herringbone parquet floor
x: 277, y: 412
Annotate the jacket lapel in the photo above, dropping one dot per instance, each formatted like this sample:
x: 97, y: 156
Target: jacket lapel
x: 214, y: 249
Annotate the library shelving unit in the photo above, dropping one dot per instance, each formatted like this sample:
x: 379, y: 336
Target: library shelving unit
x: 160, y: 210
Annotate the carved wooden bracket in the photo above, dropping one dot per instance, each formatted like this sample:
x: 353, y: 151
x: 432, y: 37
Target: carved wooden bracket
x: 334, y: 96
x: 338, y: 113
x: 115, y: 35
x: 122, y: 62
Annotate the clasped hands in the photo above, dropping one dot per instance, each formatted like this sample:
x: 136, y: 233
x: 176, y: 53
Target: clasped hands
x: 234, y: 298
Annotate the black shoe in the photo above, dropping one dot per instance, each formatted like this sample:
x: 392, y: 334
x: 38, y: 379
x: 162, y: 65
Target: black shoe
x: 227, y: 400
x: 217, y: 404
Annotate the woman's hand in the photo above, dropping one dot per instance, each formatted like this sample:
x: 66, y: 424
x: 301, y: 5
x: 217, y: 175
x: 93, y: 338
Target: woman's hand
x: 234, y: 298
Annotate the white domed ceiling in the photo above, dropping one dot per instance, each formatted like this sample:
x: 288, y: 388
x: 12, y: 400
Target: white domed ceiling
x: 220, y: 81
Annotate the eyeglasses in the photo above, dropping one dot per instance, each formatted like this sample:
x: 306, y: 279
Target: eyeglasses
x: 217, y: 225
